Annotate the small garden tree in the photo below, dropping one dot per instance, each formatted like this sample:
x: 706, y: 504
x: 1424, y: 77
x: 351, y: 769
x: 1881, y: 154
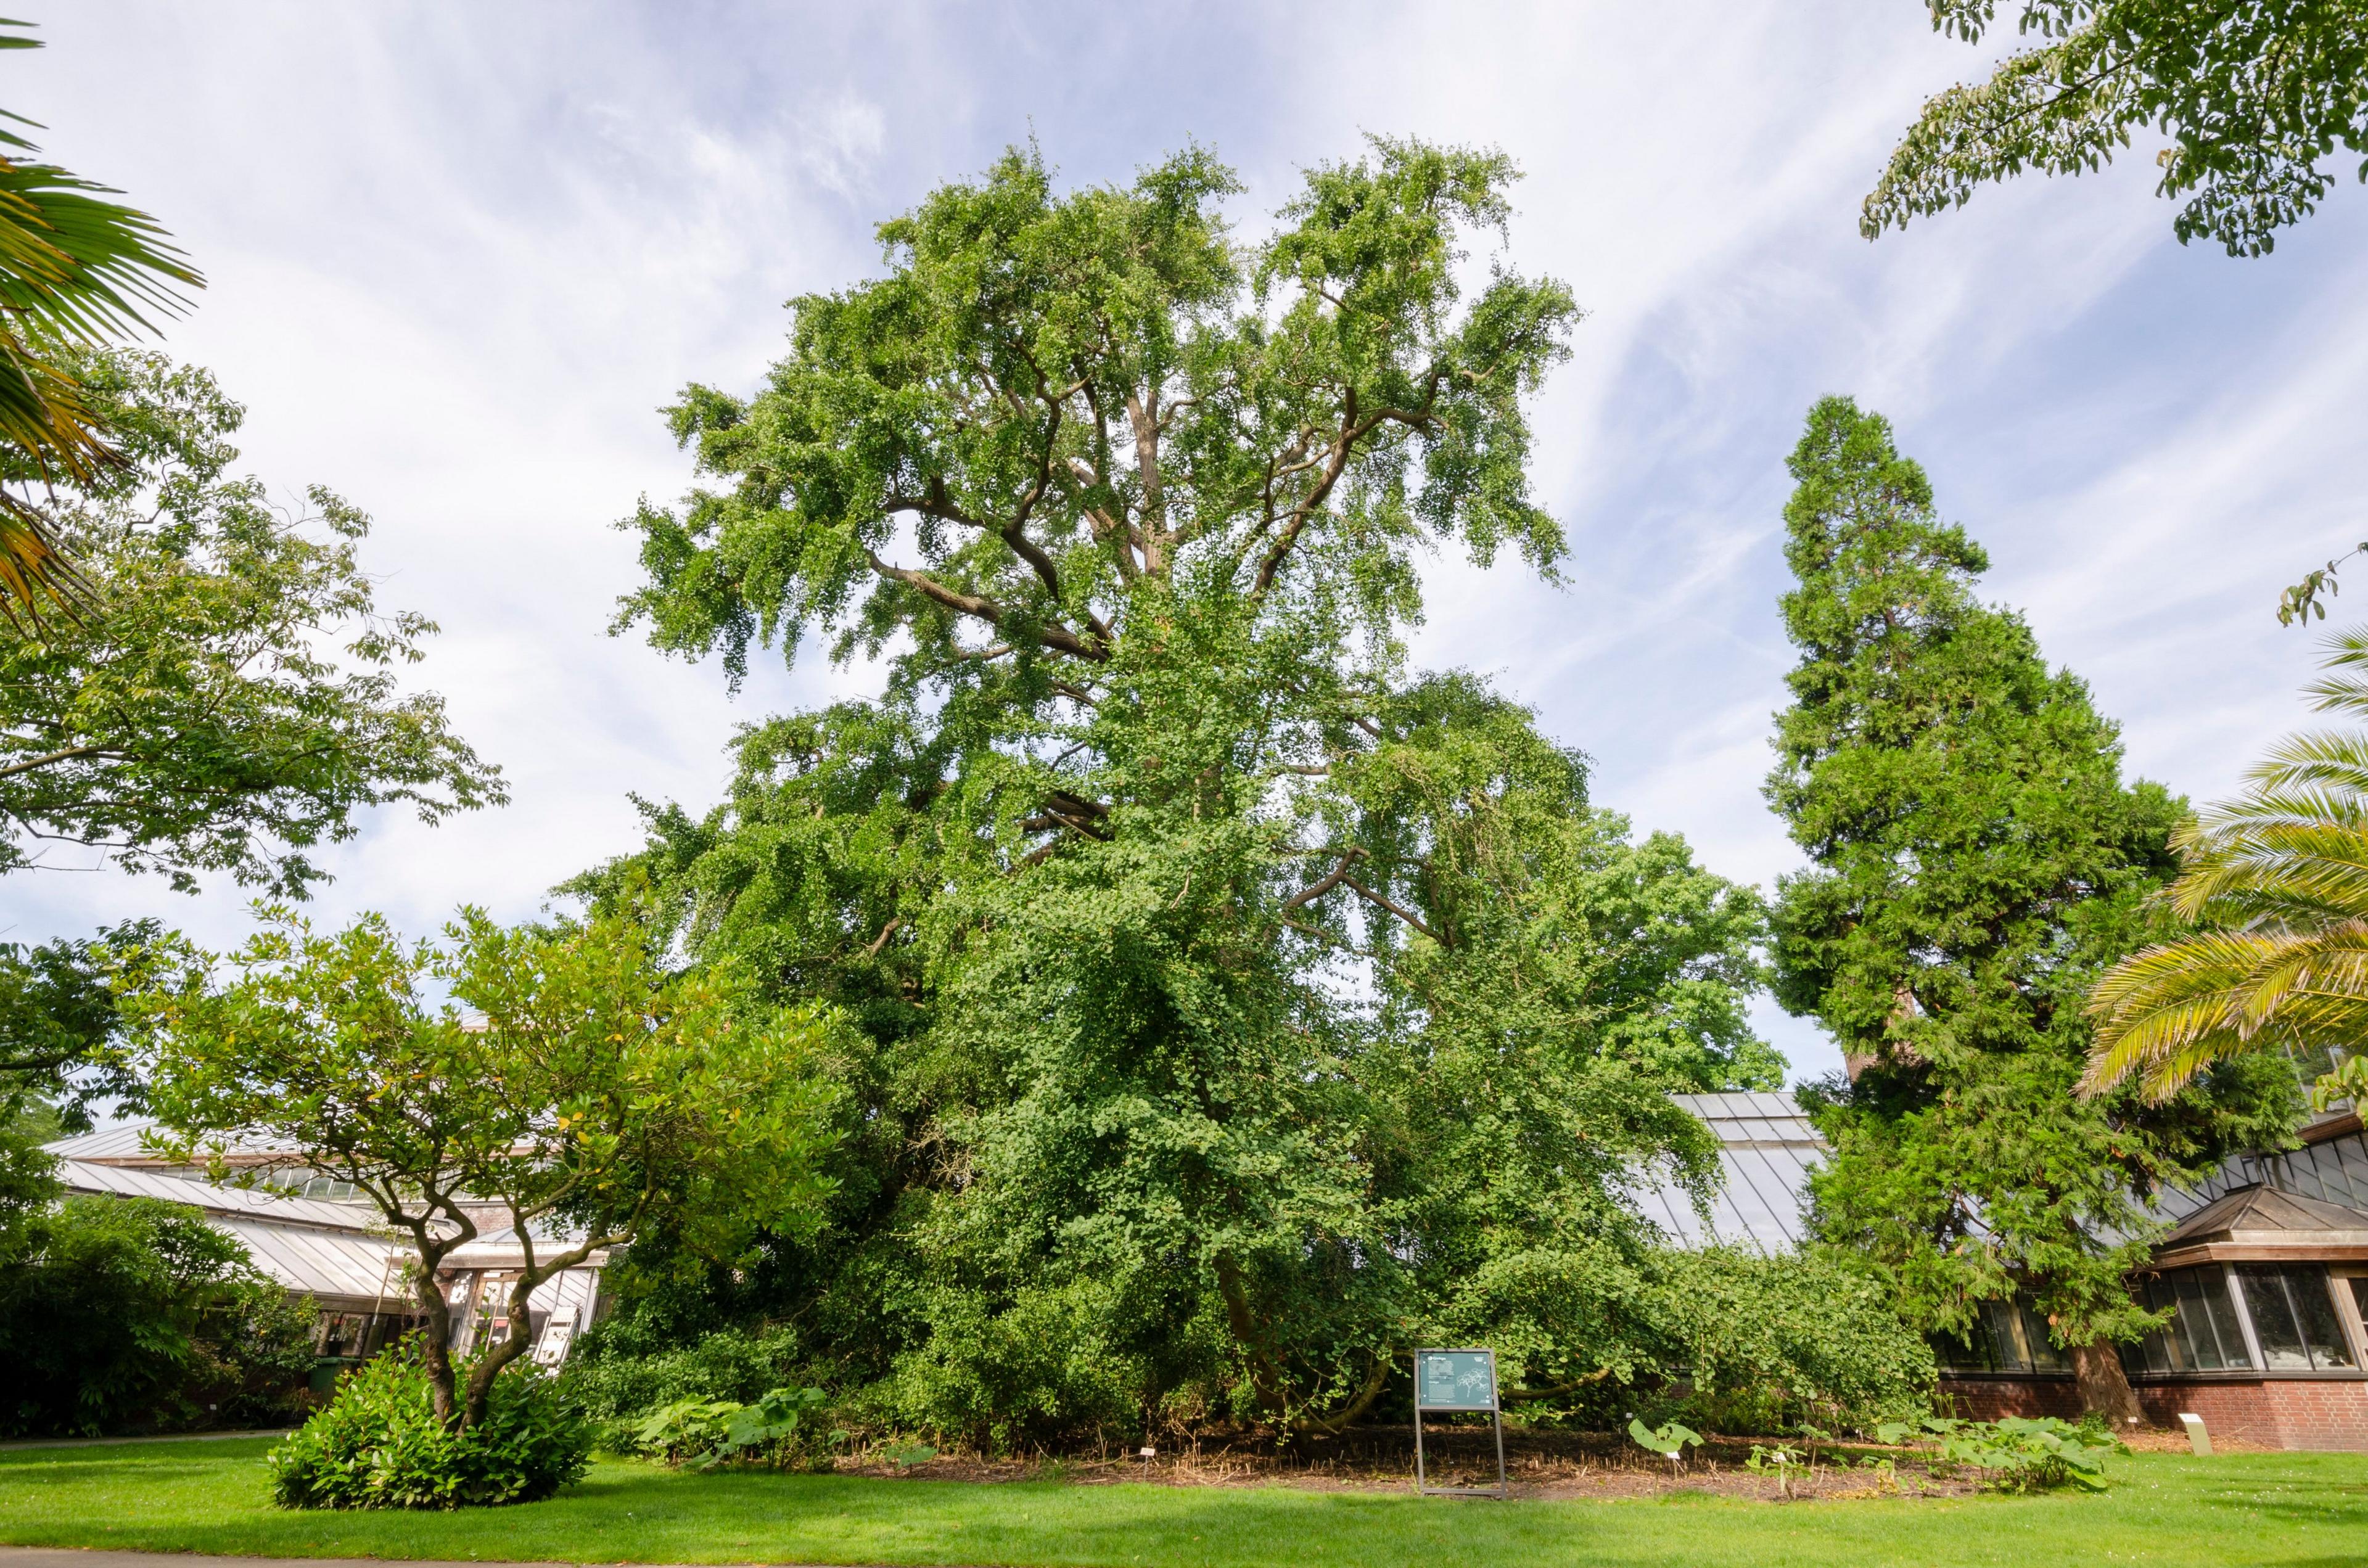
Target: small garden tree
x: 570, y: 1078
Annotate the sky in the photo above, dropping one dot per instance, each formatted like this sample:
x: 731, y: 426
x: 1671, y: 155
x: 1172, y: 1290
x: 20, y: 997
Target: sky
x: 459, y: 257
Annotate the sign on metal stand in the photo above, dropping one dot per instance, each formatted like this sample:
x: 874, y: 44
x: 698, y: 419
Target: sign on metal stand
x: 1457, y: 1380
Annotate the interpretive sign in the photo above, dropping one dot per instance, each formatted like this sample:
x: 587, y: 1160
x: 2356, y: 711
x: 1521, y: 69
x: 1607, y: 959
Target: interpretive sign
x: 1456, y: 1379
x: 1451, y: 1381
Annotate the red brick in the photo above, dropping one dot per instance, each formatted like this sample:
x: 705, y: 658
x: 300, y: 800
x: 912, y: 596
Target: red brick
x: 2322, y: 1413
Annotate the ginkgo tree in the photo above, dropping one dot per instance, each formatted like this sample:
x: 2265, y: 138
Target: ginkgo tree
x: 1239, y: 1005
x: 565, y: 1075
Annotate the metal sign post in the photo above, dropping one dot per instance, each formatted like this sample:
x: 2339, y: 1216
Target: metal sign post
x: 1446, y: 1380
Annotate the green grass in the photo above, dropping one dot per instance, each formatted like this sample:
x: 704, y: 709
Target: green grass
x: 2294, y: 1510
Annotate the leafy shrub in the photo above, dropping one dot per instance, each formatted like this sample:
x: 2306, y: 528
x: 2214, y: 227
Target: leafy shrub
x: 784, y: 1428
x: 1768, y: 1343
x: 618, y: 1382
x: 126, y: 1313
x: 2020, y: 1453
x: 1044, y: 1367
x: 378, y: 1444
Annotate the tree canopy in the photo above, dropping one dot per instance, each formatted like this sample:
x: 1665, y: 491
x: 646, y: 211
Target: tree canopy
x: 1237, y: 1004
x: 1976, y: 861
x: 2255, y: 97
x: 566, y: 1076
x: 228, y: 700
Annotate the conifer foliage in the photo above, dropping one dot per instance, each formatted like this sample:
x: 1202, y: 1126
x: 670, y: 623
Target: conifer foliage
x: 1977, y: 859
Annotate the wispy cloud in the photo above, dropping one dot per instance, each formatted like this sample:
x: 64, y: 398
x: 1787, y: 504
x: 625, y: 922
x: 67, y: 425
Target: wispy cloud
x: 460, y: 255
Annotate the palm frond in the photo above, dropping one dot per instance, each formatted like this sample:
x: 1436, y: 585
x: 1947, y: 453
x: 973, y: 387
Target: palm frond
x: 2279, y: 880
x: 74, y: 266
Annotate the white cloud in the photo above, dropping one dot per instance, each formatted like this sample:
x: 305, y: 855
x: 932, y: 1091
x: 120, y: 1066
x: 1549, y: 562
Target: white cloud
x: 842, y: 139
x: 459, y: 255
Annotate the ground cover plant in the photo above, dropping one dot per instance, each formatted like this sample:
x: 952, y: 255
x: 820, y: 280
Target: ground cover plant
x: 2236, y: 1511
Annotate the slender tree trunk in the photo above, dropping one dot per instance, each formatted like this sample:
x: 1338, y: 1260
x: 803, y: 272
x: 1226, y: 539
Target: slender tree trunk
x: 489, y: 1365
x: 436, y: 1345
x: 2104, y: 1389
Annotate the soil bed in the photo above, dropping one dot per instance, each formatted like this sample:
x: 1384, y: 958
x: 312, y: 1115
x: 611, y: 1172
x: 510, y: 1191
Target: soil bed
x: 1537, y: 1464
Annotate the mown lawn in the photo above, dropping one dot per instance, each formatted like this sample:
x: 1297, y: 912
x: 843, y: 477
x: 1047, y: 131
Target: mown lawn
x: 2294, y: 1510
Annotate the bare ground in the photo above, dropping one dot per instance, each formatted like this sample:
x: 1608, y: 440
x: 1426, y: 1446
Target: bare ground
x: 1538, y: 1464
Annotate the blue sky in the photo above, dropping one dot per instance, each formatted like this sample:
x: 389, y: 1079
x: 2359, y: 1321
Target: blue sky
x: 459, y: 255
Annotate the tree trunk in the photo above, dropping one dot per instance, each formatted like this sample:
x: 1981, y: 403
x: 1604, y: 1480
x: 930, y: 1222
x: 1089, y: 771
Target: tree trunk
x: 2104, y: 1389
x: 436, y: 1344
x: 489, y: 1363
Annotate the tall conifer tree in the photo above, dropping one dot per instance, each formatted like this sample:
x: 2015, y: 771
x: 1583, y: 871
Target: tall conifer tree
x: 1976, y: 860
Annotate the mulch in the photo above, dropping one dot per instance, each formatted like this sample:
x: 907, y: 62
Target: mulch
x: 1537, y: 1464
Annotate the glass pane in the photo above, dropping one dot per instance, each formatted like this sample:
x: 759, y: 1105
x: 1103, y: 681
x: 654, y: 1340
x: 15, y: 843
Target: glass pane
x: 1970, y: 1354
x: 2274, y: 1324
x: 2316, y: 1308
x: 2219, y: 1295
x: 2154, y: 1347
x: 2006, y: 1335
x: 2360, y: 1295
x: 2194, y: 1333
x: 2044, y: 1356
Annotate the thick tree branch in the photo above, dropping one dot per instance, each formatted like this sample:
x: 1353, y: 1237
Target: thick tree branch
x: 1401, y: 911
x: 982, y: 609
x: 1325, y: 884
x: 52, y: 758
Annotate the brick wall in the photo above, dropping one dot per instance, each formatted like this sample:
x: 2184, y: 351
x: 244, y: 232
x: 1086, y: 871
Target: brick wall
x: 2276, y: 1413
x: 1987, y: 1399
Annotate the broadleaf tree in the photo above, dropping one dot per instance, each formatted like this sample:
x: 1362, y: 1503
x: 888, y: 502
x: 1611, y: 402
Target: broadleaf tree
x: 2255, y: 100
x: 229, y: 701
x: 566, y: 1075
x: 1238, y: 1003
x: 224, y: 699
x: 1975, y: 861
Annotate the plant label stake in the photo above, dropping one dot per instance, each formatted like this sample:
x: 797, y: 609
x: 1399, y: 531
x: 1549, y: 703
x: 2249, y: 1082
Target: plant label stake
x: 1453, y: 1380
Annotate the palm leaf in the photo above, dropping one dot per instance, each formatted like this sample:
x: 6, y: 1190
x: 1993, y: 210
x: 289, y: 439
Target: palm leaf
x: 74, y: 266
x: 2278, y: 881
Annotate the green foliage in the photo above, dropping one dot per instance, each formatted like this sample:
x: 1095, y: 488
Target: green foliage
x: 1976, y: 862
x: 1234, y: 1006
x: 2271, y: 884
x: 1770, y: 1344
x: 59, y: 1019
x: 379, y: 1443
x: 2254, y: 96
x: 2020, y: 1453
x: 563, y: 1074
x: 2299, y: 603
x: 781, y: 1429
x: 608, y: 1380
x: 1780, y: 1459
x: 227, y: 702
x: 1670, y: 1439
x: 75, y: 269
x: 126, y: 1314
x: 687, y: 1428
